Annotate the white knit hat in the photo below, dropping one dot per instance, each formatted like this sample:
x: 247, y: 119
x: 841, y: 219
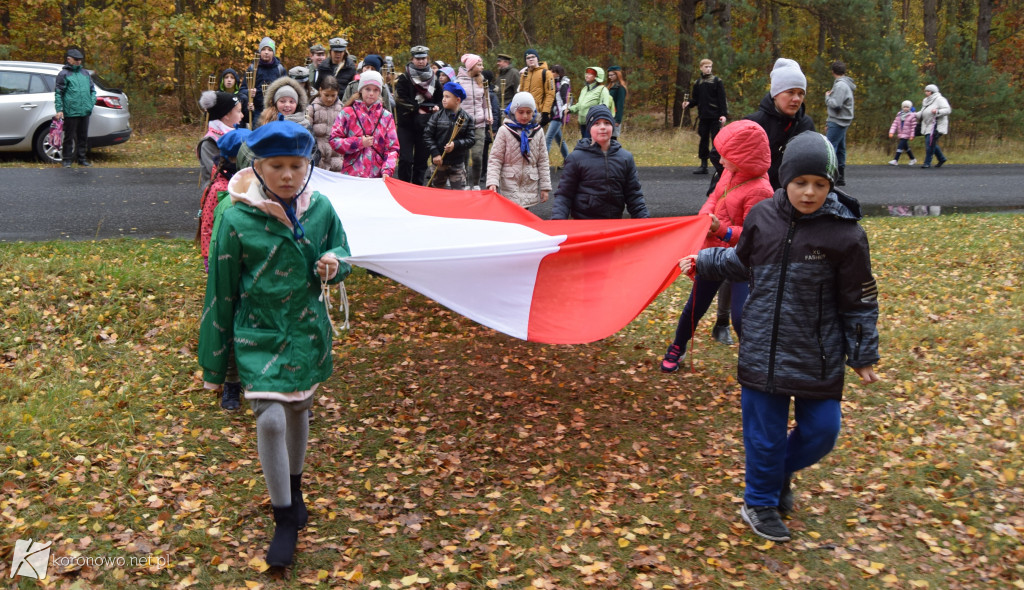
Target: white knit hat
x: 786, y: 75
x: 907, y: 103
x: 370, y: 78
x: 522, y: 99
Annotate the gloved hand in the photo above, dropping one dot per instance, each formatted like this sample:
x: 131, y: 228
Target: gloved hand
x: 545, y: 118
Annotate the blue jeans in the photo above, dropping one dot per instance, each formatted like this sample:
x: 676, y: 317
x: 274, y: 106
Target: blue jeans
x: 771, y: 454
x: 697, y: 305
x: 836, y: 135
x: 555, y: 133
x: 931, y: 143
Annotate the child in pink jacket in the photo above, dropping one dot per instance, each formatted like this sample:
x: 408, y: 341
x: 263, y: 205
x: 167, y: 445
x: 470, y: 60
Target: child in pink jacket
x: 364, y: 133
x: 903, y: 127
x: 746, y: 156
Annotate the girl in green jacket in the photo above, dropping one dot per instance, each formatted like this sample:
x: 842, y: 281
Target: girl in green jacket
x: 593, y: 93
x: 276, y: 246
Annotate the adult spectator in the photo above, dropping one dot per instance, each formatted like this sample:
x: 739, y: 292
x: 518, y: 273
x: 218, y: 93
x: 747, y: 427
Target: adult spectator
x: 600, y: 179
x: 478, y: 105
x: 935, y: 111
x: 839, y: 102
x: 708, y: 96
x: 74, y: 98
x: 417, y: 95
x: 617, y: 89
x: 317, y: 56
x: 341, y: 65
x: 538, y: 81
x: 559, y: 110
x: 268, y: 69
x: 511, y: 77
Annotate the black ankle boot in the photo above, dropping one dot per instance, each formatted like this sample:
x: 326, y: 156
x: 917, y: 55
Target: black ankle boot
x: 231, y: 397
x: 281, y: 552
x: 841, y: 179
x: 301, y: 515
x: 703, y: 168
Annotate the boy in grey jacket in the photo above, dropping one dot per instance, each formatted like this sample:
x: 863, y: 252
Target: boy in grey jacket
x: 813, y: 308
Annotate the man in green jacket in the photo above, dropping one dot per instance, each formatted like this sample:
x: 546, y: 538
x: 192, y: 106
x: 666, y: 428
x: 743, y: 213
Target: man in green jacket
x: 74, y: 97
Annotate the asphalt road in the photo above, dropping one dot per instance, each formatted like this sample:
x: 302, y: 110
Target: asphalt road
x: 97, y: 203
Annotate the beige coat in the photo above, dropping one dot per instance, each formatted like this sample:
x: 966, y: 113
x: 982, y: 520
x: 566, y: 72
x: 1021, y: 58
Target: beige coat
x: 518, y: 179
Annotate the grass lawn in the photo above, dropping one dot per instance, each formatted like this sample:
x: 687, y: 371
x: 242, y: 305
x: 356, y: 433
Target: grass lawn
x: 445, y: 455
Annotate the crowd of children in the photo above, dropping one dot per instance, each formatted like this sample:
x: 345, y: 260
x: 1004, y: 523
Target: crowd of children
x: 270, y: 247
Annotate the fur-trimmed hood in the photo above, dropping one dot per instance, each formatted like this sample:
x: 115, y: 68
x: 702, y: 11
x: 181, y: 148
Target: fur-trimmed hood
x: 268, y: 96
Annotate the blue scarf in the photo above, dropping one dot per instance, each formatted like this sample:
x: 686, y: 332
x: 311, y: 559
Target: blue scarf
x: 524, y: 134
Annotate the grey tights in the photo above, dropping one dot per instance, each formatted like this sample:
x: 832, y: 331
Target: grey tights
x: 282, y: 429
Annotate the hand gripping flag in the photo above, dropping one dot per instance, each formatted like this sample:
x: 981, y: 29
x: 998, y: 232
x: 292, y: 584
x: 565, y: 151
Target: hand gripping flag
x: 475, y: 252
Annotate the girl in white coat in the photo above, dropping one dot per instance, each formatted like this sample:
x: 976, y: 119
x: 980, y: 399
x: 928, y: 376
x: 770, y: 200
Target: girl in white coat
x: 518, y: 166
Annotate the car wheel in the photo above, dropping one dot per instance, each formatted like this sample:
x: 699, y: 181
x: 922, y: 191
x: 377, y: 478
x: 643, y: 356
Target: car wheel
x: 45, y: 151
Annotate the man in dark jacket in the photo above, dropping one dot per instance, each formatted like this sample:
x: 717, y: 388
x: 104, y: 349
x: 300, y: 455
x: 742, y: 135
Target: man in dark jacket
x: 341, y: 65
x: 268, y: 69
x: 600, y: 178
x: 74, y: 98
x: 511, y: 77
x: 417, y: 96
x: 712, y: 110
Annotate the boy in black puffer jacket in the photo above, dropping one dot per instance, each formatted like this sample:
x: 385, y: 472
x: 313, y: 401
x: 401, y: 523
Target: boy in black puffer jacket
x: 813, y: 307
x: 600, y: 180
x: 449, y: 154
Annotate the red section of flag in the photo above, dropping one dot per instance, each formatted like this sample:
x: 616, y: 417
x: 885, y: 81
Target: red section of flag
x: 437, y: 202
x: 606, y: 273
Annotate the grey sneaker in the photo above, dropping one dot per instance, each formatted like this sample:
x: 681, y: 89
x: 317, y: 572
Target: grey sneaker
x: 786, y: 497
x: 765, y: 522
x: 722, y: 334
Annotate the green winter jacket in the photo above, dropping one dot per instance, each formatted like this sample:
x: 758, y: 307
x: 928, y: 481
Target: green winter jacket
x: 262, y: 294
x: 592, y: 95
x: 74, y: 93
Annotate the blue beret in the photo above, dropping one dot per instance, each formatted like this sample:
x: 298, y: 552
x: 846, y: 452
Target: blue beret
x: 281, y: 138
x: 456, y: 89
x: 231, y: 141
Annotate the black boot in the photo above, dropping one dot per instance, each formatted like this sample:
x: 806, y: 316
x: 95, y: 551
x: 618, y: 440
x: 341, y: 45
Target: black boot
x: 230, y: 398
x: 722, y: 334
x: 841, y: 179
x: 703, y: 167
x: 84, y: 162
x: 286, y: 534
x: 301, y: 516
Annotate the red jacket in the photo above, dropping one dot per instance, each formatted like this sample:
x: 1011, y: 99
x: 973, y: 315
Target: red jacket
x: 745, y: 144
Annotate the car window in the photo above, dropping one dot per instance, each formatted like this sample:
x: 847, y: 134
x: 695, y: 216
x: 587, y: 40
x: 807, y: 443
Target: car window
x: 14, y: 82
x: 40, y: 84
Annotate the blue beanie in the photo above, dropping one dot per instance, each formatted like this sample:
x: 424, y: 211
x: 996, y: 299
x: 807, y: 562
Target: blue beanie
x: 599, y: 112
x: 231, y: 141
x: 281, y: 138
x: 373, y: 60
x: 456, y: 89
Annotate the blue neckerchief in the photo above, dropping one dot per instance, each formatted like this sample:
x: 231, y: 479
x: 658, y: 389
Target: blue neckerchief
x: 524, y: 134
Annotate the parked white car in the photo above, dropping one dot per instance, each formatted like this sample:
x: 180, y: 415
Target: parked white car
x: 26, y: 110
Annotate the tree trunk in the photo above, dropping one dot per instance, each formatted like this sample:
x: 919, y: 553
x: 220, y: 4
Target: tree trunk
x: 471, y: 24
x: 417, y: 22
x: 724, y: 18
x: 181, y: 91
x: 984, y: 32
x: 906, y: 17
x: 493, y: 32
x: 529, y: 25
x: 776, y: 32
x: 684, y: 57
x: 822, y: 34
x: 276, y: 11
x: 931, y: 27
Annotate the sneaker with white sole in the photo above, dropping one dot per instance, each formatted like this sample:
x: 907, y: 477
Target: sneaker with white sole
x: 893, y: 163
x: 913, y: 162
x: 765, y: 522
x: 674, y: 356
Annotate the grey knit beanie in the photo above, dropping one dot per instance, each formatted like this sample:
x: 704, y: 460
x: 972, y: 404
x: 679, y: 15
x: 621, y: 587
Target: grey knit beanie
x: 808, y: 153
x: 786, y: 75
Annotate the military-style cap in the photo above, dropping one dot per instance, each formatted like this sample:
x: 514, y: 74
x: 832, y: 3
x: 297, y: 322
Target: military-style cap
x: 419, y: 51
x: 338, y: 44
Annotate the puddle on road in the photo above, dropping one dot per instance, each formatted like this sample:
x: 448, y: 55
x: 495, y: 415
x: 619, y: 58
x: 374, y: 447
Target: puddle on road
x: 931, y: 210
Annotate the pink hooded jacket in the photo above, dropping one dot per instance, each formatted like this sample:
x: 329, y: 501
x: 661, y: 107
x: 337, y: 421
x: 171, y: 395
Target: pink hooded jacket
x: 347, y: 139
x: 745, y: 144
x: 903, y: 125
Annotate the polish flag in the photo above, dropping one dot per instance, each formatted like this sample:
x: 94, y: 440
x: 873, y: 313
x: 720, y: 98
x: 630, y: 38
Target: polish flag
x: 484, y: 257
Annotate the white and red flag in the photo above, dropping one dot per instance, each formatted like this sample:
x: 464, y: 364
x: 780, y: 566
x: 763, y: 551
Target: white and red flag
x: 475, y: 252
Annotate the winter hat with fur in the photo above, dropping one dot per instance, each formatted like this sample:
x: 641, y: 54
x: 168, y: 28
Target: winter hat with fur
x: 907, y: 103
x: 786, y: 75
x: 808, y: 153
x: 217, y: 104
